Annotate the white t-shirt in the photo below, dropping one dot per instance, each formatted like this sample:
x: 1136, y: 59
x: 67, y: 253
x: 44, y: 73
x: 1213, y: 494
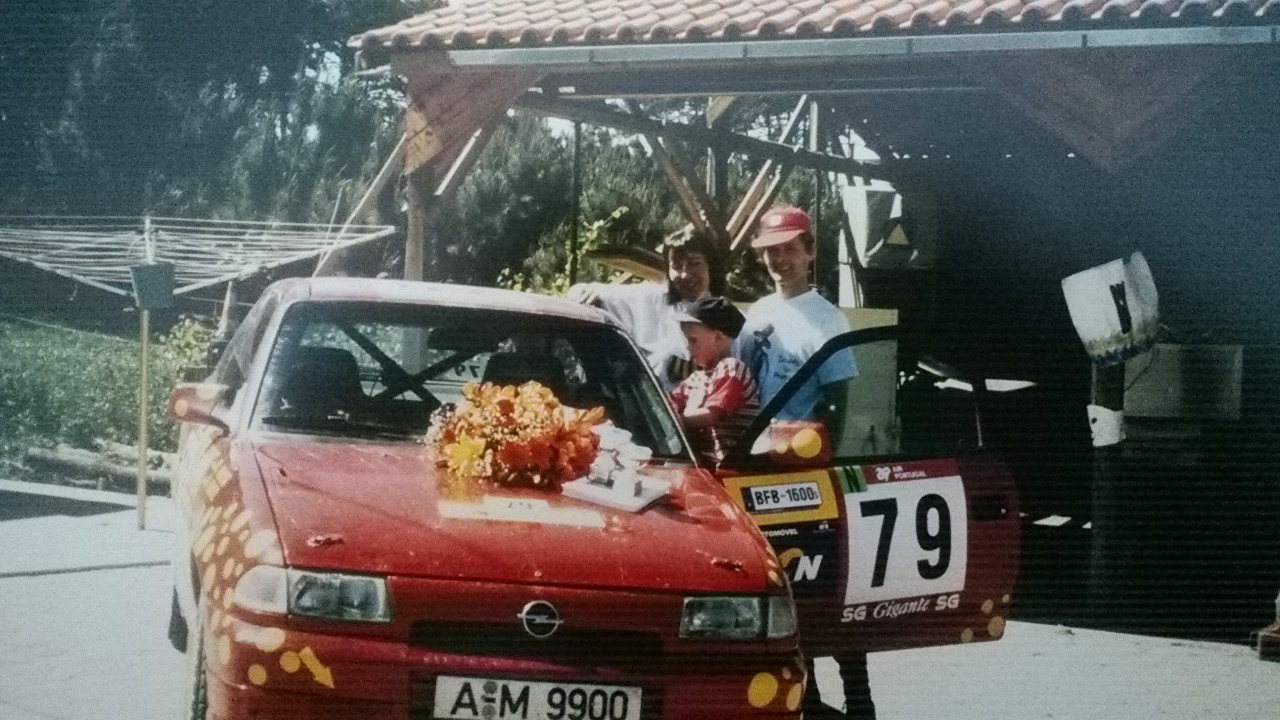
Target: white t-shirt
x: 644, y: 313
x: 780, y: 335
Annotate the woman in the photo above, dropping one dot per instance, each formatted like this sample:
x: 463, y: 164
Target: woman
x: 648, y: 311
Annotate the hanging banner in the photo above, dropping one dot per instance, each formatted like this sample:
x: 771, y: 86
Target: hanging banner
x: 1115, y: 309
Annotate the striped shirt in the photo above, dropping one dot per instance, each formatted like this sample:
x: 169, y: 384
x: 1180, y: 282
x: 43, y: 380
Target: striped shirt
x: 729, y: 388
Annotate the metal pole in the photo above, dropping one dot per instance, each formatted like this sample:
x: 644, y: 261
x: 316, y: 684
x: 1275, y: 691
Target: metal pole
x: 144, y: 321
x: 577, y: 202
x: 1104, y: 555
x: 144, y: 327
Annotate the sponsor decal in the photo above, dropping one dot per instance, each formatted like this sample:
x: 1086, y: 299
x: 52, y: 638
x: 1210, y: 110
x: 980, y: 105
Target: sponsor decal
x: 893, y: 609
x: 806, y: 566
x: 906, y: 539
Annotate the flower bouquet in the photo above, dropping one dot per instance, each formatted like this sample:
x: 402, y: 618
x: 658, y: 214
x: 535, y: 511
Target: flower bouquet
x: 514, y: 437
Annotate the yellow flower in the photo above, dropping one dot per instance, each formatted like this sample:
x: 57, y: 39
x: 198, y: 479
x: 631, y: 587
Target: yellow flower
x: 463, y: 453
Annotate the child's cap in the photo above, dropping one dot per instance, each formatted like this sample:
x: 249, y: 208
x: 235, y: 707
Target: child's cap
x: 716, y: 313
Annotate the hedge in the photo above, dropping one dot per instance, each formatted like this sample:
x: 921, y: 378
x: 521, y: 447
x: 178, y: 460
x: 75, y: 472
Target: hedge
x: 61, y: 385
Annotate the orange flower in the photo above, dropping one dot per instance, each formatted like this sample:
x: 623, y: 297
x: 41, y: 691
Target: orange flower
x: 515, y: 436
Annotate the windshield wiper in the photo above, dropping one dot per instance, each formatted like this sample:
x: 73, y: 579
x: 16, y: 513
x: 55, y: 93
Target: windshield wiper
x: 337, y: 423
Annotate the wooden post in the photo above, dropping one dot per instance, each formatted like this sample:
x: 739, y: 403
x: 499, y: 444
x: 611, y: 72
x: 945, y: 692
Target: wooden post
x: 815, y: 144
x: 1107, y: 391
x: 576, y: 216
x: 417, y: 193
x: 144, y: 327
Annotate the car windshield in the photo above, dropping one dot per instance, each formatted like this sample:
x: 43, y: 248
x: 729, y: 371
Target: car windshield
x: 366, y: 369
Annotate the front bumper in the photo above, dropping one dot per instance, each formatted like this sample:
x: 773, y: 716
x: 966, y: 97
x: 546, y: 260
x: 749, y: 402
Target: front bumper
x: 263, y: 672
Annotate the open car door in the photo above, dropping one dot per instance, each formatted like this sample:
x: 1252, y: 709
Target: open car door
x: 885, y: 551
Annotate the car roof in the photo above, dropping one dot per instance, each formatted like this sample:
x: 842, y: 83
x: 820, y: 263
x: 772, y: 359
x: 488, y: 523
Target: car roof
x: 432, y: 293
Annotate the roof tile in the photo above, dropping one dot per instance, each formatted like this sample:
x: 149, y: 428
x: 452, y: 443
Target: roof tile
x: 1116, y: 10
x: 496, y: 23
x: 743, y: 24
x: 817, y: 21
x: 931, y: 14
x: 1157, y: 8
x: 966, y: 13
x: 1002, y: 12
x: 1041, y: 10
x: 892, y: 17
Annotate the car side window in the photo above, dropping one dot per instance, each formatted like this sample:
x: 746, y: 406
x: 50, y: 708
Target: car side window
x: 826, y: 413
x: 233, y: 367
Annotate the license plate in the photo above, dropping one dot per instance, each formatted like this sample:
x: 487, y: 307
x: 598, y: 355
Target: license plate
x: 488, y: 699
x: 785, y: 496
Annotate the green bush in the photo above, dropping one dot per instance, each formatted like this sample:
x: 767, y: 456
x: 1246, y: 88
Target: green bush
x: 68, y: 386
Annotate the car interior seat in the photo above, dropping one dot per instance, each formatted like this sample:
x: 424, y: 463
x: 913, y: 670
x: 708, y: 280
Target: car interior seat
x: 320, y: 381
x: 510, y: 368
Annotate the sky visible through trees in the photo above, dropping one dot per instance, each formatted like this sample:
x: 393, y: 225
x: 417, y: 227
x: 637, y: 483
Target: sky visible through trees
x: 249, y: 110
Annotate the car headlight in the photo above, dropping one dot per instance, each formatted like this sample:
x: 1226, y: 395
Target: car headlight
x: 266, y: 588
x: 737, y: 618
x: 342, y: 597
x: 782, y: 617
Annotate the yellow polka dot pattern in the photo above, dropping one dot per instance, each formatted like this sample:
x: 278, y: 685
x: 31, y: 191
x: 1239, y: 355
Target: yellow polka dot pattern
x: 762, y: 690
x: 229, y: 542
x: 806, y: 443
x: 794, y: 696
x: 765, y: 689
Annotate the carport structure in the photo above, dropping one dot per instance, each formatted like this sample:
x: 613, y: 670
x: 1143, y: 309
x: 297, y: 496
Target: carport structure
x: 1029, y: 140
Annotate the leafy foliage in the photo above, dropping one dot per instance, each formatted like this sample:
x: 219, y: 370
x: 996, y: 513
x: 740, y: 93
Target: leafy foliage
x: 73, y: 387
x: 185, y: 106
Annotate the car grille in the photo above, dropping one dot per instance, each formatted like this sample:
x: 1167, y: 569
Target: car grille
x: 567, y: 646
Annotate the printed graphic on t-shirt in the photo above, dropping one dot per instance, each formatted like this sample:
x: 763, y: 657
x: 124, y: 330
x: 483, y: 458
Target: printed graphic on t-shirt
x: 771, y: 362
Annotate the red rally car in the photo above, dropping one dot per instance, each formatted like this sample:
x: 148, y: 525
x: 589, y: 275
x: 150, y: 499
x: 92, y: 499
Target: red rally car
x: 330, y: 568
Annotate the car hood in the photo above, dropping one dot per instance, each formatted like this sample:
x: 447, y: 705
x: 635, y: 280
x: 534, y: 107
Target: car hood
x: 389, y: 509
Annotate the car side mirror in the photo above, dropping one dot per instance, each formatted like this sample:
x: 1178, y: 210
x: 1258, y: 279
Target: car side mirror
x: 197, y: 403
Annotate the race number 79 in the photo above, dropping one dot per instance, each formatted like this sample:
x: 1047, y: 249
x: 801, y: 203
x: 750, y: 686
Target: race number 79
x: 906, y: 539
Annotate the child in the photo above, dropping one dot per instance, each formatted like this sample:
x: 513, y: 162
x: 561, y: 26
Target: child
x: 720, y: 398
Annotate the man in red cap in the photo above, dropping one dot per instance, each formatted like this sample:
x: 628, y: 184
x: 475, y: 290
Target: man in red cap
x: 787, y: 327
x: 782, y: 331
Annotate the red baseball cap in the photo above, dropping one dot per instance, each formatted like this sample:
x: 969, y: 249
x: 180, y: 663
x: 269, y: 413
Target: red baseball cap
x: 780, y: 225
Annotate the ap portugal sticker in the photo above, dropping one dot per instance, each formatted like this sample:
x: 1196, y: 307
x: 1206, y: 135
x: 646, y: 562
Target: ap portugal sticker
x: 906, y: 539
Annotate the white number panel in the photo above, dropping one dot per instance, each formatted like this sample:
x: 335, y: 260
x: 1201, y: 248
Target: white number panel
x: 906, y: 539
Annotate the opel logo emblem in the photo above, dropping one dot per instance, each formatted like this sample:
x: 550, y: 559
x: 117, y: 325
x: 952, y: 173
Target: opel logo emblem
x: 540, y: 619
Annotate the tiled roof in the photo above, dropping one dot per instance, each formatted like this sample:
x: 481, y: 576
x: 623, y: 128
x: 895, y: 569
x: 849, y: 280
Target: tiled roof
x: 464, y: 24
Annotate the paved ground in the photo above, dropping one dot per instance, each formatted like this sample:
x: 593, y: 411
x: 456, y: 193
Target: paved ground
x: 84, y: 604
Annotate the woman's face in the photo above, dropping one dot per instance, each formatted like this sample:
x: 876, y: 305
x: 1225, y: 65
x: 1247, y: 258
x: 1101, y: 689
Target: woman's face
x: 689, y: 274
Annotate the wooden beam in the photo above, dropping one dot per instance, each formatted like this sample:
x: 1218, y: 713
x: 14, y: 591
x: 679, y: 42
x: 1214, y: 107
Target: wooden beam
x: 697, y: 204
x: 748, y: 209
x: 465, y: 160
x: 752, y: 217
x: 599, y: 114
x: 329, y: 261
x: 692, y: 208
